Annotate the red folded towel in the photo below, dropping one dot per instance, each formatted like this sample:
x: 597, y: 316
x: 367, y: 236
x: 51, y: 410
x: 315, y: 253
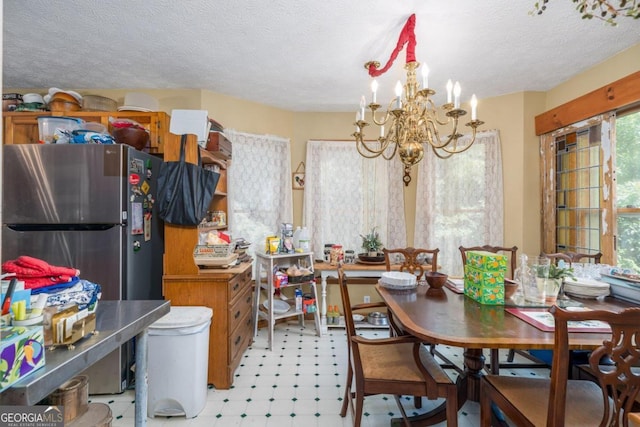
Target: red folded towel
x: 37, y: 273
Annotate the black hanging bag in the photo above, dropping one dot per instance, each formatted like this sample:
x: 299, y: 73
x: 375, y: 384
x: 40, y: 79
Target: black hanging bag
x: 185, y: 190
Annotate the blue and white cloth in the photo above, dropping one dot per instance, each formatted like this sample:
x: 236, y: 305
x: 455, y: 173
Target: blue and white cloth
x: 84, y: 294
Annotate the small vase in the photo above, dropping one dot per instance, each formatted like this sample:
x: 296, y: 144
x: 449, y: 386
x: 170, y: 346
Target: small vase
x: 551, y: 289
x: 373, y: 253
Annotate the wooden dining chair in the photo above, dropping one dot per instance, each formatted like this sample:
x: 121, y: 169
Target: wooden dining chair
x: 558, y: 401
x: 571, y: 257
x: 494, y: 361
x: 399, y: 365
x: 413, y: 261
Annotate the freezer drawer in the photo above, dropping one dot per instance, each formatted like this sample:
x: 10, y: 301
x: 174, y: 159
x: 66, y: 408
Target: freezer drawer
x: 96, y: 253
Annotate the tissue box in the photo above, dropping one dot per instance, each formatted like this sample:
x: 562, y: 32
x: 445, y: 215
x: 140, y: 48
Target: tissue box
x: 487, y: 261
x: 21, y: 353
x: 486, y: 287
x: 484, y: 277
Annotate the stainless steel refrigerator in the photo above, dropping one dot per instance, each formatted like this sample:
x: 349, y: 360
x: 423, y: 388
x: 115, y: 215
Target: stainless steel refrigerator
x: 90, y: 207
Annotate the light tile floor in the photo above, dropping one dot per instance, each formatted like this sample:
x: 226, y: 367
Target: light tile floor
x: 300, y: 383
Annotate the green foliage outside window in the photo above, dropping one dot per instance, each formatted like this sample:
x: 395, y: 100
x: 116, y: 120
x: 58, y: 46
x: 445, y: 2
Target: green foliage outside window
x: 628, y: 190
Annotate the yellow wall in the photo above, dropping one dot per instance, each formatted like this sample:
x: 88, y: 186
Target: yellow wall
x: 614, y: 68
x: 513, y: 115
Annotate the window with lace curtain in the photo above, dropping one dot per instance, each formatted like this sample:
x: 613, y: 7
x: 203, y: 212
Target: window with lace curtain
x: 459, y: 201
x: 259, y: 181
x: 346, y: 195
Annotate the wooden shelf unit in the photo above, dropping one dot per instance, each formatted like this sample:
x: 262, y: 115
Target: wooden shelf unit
x: 22, y: 127
x: 229, y: 292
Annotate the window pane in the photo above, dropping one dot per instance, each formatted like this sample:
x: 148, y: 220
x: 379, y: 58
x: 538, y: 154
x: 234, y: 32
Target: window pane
x: 562, y: 218
x: 583, y: 140
x: 578, y: 190
x: 594, y: 177
x: 594, y: 156
x: 628, y: 190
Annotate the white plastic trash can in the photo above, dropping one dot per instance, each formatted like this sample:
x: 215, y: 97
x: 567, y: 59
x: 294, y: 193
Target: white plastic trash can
x: 178, y: 360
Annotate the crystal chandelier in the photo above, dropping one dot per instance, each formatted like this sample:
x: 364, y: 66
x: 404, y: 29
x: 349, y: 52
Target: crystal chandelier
x: 413, y: 122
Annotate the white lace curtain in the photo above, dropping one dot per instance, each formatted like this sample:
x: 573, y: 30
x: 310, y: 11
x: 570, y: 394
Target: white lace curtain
x: 259, y: 181
x: 459, y: 201
x: 347, y: 195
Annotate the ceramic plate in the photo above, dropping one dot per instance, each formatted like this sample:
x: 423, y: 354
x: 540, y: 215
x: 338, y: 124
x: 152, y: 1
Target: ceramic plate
x: 279, y: 306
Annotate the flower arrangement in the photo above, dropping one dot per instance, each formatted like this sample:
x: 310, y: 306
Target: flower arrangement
x: 371, y: 242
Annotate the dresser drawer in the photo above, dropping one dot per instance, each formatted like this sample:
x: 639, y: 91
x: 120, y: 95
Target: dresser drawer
x: 239, y: 340
x: 238, y: 284
x: 238, y: 308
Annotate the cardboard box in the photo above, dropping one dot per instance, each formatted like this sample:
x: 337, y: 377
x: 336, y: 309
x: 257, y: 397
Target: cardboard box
x: 484, y: 277
x: 21, y: 353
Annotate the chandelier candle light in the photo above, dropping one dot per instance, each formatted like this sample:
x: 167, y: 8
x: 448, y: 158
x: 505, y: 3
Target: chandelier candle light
x: 413, y: 121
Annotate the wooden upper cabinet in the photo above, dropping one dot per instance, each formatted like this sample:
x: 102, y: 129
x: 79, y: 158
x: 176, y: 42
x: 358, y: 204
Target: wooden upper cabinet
x: 180, y: 240
x: 22, y: 127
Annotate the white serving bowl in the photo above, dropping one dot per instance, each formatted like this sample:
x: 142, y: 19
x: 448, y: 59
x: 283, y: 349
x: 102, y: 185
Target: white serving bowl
x: 398, y: 278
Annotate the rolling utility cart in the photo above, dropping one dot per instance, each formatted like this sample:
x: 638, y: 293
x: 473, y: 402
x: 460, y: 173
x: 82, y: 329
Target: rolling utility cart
x: 274, y: 308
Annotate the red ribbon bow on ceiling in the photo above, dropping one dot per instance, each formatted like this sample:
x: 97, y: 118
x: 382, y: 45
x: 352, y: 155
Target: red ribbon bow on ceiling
x: 408, y: 37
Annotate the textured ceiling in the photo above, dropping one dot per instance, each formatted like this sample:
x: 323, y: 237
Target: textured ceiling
x: 299, y: 55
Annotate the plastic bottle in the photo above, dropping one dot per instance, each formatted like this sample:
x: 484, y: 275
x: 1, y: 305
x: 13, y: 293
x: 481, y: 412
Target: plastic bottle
x: 330, y: 316
x: 298, y: 294
x: 304, y: 240
x: 296, y: 238
x: 336, y: 311
x: 333, y: 315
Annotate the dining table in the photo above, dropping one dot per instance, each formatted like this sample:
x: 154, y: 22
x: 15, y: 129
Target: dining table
x: 447, y: 317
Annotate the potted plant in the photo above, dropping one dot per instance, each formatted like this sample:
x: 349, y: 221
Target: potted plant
x: 371, y: 242
x: 557, y: 273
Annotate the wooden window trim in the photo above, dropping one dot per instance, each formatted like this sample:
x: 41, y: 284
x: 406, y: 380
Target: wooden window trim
x: 613, y: 96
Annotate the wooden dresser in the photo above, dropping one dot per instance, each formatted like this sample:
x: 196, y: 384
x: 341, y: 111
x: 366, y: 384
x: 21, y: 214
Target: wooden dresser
x: 229, y: 293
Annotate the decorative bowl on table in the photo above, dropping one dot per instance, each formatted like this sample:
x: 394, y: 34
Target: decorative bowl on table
x: 510, y: 288
x: 436, y: 280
